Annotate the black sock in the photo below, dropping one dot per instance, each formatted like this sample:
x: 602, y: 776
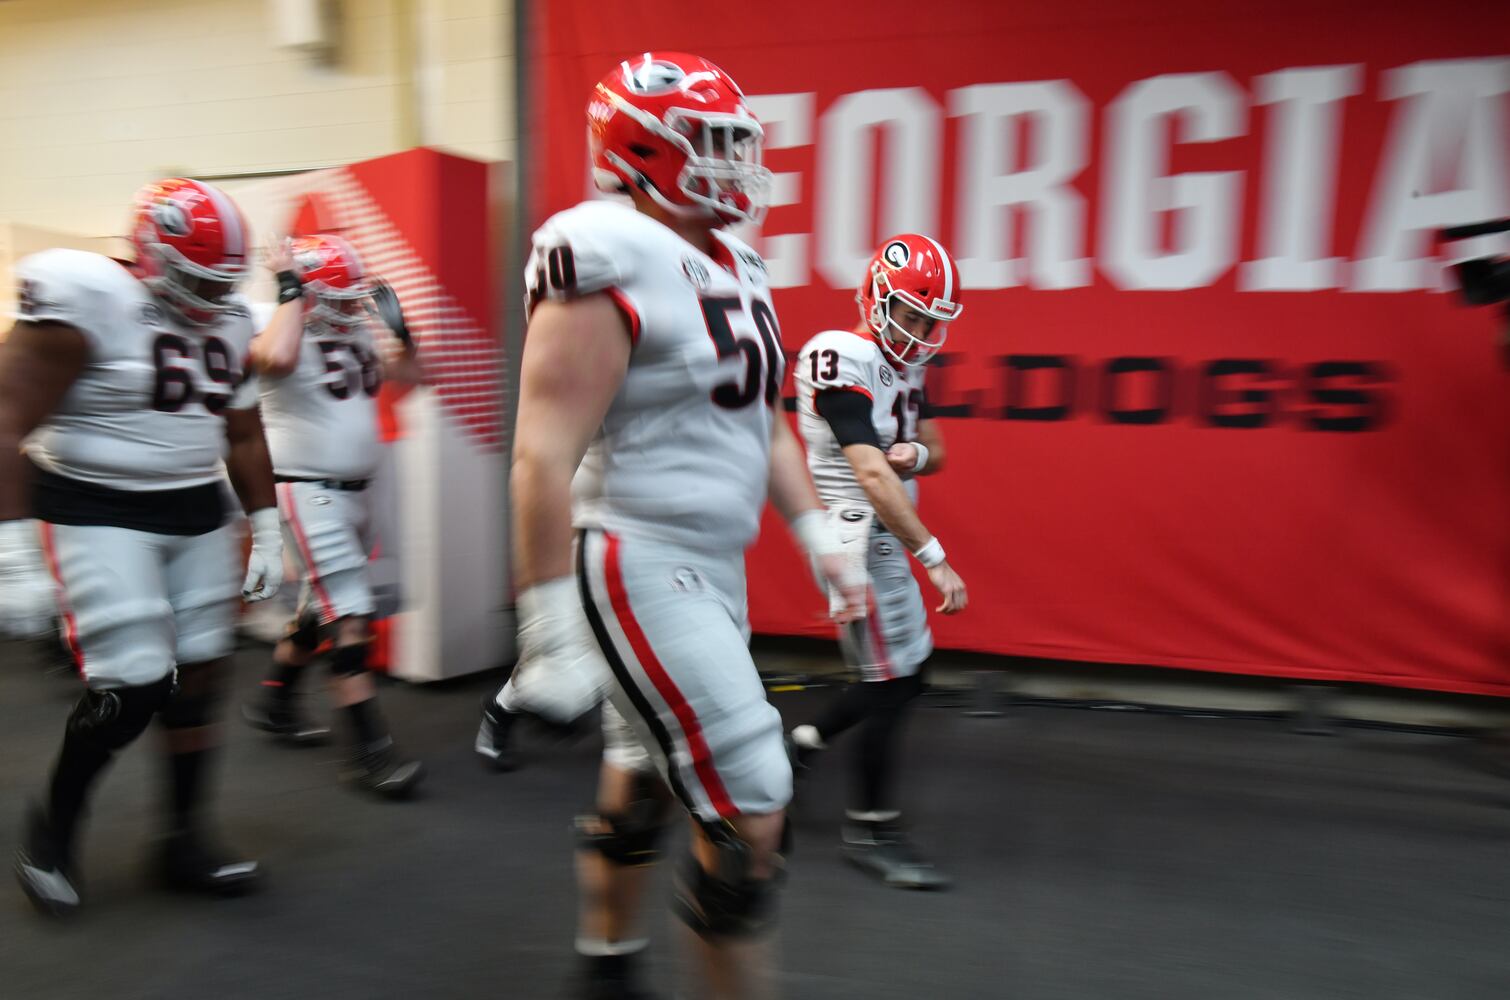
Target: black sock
x: 78, y: 764
x: 186, y: 787
x: 366, y: 722
x: 875, y: 751
x: 850, y: 706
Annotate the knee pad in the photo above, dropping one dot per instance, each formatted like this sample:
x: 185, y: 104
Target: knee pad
x: 729, y: 902
x: 629, y: 839
x: 110, y: 719
x: 349, y: 661
x: 304, y: 633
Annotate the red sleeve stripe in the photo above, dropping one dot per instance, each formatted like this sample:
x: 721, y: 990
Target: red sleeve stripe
x: 848, y: 388
x: 631, y: 315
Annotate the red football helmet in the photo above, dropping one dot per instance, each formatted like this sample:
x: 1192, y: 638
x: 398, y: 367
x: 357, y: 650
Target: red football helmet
x: 918, y: 272
x: 676, y: 127
x: 192, y: 246
x: 336, y: 285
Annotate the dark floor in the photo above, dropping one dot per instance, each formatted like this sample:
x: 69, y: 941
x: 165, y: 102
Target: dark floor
x: 1100, y: 856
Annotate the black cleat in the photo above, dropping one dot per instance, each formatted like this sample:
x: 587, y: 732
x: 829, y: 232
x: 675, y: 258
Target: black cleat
x: 612, y: 977
x: 378, y: 768
x: 187, y: 863
x: 285, y: 722
x: 601, y: 989
x: 494, y: 742
x: 884, y: 850
x: 45, y: 869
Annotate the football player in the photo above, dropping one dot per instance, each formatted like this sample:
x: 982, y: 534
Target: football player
x: 126, y: 383
x: 860, y: 411
x: 648, y: 437
x: 320, y: 373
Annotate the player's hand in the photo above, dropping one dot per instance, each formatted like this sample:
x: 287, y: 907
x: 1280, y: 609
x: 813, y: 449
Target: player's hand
x: 278, y: 255
x: 838, y: 569
x: 839, y: 573
x: 28, y: 598
x: 561, y: 674
x: 264, y: 567
x: 950, y: 587
x: 386, y: 304
x: 902, y: 457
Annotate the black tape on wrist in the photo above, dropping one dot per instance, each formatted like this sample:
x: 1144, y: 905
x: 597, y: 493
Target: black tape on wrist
x: 289, y: 287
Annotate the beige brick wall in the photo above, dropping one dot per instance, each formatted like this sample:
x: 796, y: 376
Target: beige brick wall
x: 468, y: 45
x: 99, y: 96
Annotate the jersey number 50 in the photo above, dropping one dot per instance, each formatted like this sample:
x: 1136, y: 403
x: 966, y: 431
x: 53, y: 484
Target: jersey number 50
x: 763, y: 359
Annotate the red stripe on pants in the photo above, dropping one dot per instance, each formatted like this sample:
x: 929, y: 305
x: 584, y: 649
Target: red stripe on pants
x: 291, y: 511
x: 877, y: 643
x: 702, y: 757
x: 70, y: 624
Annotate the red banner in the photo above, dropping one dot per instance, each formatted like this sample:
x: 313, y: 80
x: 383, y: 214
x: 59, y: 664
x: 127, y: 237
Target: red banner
x: 1208, y: 405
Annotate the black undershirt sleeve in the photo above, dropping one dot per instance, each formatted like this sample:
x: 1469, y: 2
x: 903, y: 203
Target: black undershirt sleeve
x: 848, y: 416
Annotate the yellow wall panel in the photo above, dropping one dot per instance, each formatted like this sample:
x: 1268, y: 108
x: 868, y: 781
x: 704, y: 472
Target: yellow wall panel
x: 99, y: 96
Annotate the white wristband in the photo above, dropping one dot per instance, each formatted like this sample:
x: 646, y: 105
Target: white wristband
x: 931, y: 554
x: 922, y: 459
x: 557, y: 597
x: 814, y: 533
x: 265, y: 526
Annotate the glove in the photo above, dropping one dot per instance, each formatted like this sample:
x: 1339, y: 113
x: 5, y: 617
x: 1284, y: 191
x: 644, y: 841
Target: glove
x: 28, y: 597
x: 561, y: 674
x: 264, y: 567
x: 837, y: 542
x: 385, y: 302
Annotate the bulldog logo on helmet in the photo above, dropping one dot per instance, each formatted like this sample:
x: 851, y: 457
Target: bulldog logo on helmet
x: 171, y: 218
x: 653, y: 76
x: 896, y: 254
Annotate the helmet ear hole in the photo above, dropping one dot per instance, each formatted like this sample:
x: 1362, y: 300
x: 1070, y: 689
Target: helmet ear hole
x: 641, y: 150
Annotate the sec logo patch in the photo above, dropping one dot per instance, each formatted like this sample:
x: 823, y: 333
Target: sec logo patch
x: 696, y: 273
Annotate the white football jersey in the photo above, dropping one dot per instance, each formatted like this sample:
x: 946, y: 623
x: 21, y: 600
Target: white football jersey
x: 853, y: 362
x: 684, y: 452
x: 145, y: 413
x: 321, y: 419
